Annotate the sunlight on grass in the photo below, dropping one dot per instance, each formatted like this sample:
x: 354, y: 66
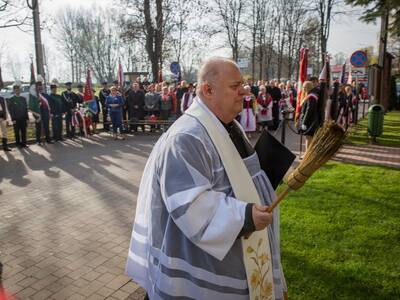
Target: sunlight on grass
x: 340, y: 234
x: 391, y: 131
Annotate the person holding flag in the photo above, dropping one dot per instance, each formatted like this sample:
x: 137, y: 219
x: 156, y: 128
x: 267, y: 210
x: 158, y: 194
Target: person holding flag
x: 103, y: 94
x: 45, y: 109
x: 89, y: 100
x: 40, y: 108
x: 4, y: 116
x: 302, y: 79
x: 70, y: 99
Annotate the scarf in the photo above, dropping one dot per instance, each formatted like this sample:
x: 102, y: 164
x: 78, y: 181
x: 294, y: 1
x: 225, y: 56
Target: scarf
x: 256, y: 248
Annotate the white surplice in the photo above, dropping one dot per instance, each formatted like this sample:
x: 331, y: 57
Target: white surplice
x: 185, y: 236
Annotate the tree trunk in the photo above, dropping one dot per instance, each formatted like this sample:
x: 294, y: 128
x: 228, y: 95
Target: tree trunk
x: 1, y: 79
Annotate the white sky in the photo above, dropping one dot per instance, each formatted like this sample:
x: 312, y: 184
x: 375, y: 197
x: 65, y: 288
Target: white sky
x: 347, y: 35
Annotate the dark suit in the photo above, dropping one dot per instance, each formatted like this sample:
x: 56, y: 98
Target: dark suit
x: 18, y: 109
x: 69, y: 99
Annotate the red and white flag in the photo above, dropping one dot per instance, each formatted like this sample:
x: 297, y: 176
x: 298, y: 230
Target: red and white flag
x: 88, y: 90
x: 325, y: 74
x: 44, y: 102
x: 120, y: 76
x: 302, y: 78
x: 88, y: 95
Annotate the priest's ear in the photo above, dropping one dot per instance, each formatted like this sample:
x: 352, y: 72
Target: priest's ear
x: 206, y: 89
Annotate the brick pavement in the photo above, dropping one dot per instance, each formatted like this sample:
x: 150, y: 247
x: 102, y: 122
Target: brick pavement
x: 66, y: 215
x: 67, y: 210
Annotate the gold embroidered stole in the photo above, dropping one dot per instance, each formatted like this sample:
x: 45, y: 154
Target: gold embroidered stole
x: 256, y: 248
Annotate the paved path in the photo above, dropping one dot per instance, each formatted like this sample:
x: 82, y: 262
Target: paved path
x: 66, y: 215
x: 67, y: 210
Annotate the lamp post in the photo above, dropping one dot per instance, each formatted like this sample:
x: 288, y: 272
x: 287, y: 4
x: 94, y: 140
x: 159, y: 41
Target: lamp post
x: 34, y: 6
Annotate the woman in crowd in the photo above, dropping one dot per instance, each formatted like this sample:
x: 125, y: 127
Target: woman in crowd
x: 115, y: 103
x: 248, y: 114
x: 165, y: 104
x: 349, y: 108
x: 95, y: 116
x: 308, y: 120
x: 152, y: 104
x: 264, y: 108
x: 341, y: 104
x: 172, y: 93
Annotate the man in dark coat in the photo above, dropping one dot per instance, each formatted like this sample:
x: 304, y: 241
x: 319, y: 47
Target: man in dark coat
x: 18, y: 110
x: 276, y: 95
x: 253, y: 88
x: 57, y: 110
x: 182, y: 89
x: 103, y: 94
x: 45, y: 111
x: 80, y: 93
x: 69, y: 99
x: 135, y: 103
x: 3, y: 123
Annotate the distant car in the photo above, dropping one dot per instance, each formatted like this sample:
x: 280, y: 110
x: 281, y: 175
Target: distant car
x: 398, y: 89
x: 8, y: 92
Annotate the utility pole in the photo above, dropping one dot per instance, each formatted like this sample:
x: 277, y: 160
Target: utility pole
x: 382, y: 91
x: 34, y: 6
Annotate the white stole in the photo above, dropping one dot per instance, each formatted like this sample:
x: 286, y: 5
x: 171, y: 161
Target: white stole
x: 256, y: 248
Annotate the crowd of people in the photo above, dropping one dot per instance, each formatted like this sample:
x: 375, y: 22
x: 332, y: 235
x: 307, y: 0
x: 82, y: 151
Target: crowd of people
x: 125, y: 109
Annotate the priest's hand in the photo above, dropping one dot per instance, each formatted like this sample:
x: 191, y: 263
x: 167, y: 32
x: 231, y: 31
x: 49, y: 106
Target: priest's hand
x: 261, y: 217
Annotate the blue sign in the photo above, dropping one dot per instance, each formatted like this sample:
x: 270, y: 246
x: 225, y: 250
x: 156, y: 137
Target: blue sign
x: 359, y: 59
x: 175, y: 68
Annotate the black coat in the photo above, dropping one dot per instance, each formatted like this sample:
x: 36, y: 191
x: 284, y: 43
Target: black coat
x: 69, y: 100
x: 103, y: 94
x: 135, y: 103
x: 309, y: 116
x: 18, y: 108
x: 56, y: 104
x: 3, y: 108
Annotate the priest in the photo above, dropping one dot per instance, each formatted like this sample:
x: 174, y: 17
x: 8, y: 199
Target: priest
x: 202, y: 230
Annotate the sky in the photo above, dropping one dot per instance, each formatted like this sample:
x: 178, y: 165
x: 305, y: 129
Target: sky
x: 347, y: 34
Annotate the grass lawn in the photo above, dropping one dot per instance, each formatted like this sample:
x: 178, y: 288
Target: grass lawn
x: 340, y: 234
x: 390, y: 135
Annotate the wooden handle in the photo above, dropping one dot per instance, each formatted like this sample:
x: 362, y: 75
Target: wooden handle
x: 273, y: 205
x: 279, y: 199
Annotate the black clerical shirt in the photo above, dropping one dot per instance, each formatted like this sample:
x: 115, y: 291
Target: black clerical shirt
x: 245, y: 150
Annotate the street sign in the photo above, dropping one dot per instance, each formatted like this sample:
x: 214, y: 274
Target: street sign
x: 243, y: 63
x: 359, y: 59
x: 175, y: 67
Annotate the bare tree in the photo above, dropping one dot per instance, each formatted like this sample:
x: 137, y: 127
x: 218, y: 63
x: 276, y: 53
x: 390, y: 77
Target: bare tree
x: 88, y: 39
x: 231, y: 12
x: 15, y: 13
x: 147, y: 22
x: 326, y: 10
x: 185, y: 23
x: 67, y: 35
x: 2, y: 52
x: 296, y: 17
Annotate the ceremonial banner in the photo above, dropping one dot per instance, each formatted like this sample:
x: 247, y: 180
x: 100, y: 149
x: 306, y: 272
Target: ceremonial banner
x: 88, y: 96
x: 120, y: 76
x: 302, y: 78
x: 33, y: 104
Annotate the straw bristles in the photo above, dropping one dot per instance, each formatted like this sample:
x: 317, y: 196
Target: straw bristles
x: 325, y: 143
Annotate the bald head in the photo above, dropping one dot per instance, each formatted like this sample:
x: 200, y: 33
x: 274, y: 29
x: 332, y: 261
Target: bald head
x: 220, y: 87
x: 211, y: 70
